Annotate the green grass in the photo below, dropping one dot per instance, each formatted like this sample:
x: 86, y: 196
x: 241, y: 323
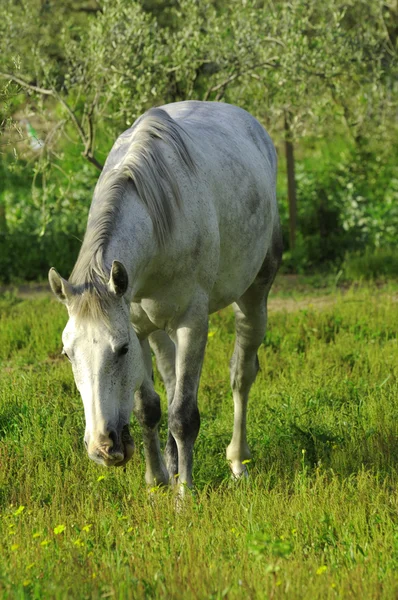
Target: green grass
x: 318, y: 519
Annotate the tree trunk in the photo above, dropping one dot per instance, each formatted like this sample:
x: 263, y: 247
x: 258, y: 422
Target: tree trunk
x: 3, y: 221
x: 291, y: 182
x: 3, y: 185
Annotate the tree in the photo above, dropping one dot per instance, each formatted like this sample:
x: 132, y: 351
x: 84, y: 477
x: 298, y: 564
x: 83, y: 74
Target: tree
x: 91, y: 69
x: 330, y: 62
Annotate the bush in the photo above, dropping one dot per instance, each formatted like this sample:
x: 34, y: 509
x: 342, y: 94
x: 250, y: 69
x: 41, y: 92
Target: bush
x: 27, y: 256
x: 343, y: 206
x: 347, y: 201
x: 43, y: 225
x: 371, y: 264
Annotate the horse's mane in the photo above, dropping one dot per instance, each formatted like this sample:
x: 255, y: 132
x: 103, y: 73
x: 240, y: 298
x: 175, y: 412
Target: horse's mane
x: 140, y: 161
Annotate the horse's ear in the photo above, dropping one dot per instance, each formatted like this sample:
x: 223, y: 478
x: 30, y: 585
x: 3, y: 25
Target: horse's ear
x: 119, y: 280
x: 61, y: 288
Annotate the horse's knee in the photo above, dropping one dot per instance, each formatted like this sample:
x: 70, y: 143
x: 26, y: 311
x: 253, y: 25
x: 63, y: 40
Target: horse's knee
x: 184, y: 421
x: 147, y: 409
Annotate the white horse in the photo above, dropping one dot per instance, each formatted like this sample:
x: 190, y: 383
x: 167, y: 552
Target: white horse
x: 183, y: 222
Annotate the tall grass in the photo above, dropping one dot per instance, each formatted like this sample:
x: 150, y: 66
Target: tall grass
x: 318, y: 518
x: 381, y: 263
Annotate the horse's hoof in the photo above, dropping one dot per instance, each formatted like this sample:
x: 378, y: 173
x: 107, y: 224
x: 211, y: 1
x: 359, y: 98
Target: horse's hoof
x: 185, y: 495
x: 239, y: 470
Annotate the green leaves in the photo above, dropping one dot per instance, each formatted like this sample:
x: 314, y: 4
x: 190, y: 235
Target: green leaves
x: 83, y: 75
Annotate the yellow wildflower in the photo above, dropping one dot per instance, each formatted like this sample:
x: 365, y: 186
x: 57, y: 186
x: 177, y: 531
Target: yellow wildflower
x: 59, y: 529
x: 78, y: 542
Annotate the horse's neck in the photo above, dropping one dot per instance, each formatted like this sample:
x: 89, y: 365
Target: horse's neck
x: 132, y: 242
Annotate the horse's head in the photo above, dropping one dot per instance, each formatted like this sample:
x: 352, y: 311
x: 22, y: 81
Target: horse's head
x: 106, y: 361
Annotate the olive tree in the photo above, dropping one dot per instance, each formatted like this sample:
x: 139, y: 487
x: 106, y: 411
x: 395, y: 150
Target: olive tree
x: 91, y: 70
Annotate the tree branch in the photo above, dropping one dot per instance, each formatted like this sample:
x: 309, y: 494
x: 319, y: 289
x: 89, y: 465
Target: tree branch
x: 87, y: 140
x: 73, y: 117
x: 87, y: 9
x: 91, y: 159
x: 90, y: 140
x: 242, y: 71
x: 27, y: 85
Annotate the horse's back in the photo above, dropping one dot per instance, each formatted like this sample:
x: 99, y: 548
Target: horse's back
x: 233, y: 198
x: 225, y: 128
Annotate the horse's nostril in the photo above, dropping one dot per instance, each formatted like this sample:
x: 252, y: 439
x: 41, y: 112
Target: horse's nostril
x: 113, y: 438
x: 86, y: 444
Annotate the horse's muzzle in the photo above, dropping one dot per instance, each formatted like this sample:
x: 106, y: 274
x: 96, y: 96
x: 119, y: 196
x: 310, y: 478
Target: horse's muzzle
x: 114, y: 450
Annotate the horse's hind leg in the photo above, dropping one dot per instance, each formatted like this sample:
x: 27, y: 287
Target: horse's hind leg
x: 165, y: 353
x: 251, y: 321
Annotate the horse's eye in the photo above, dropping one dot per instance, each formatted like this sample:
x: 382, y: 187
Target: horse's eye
x: 64, y: 353
x: 123, y: 350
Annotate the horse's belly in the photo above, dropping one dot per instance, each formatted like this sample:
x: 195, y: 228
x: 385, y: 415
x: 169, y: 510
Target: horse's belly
x: 225, y: 294
x: 235, y: 277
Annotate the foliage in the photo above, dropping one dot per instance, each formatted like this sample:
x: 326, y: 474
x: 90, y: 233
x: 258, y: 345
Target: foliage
x: 318, y: 514
x: 378, y: 264
x: 347, y: 202
x: 47, y: 230
x: 83, y: 74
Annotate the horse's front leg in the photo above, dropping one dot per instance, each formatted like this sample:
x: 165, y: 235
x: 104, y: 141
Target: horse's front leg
x: 165, y: 353
x: 190, y: 338
x: 147, y: 412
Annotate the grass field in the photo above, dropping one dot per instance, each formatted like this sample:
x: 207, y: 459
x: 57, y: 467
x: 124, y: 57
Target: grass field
x: 318, y: 518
